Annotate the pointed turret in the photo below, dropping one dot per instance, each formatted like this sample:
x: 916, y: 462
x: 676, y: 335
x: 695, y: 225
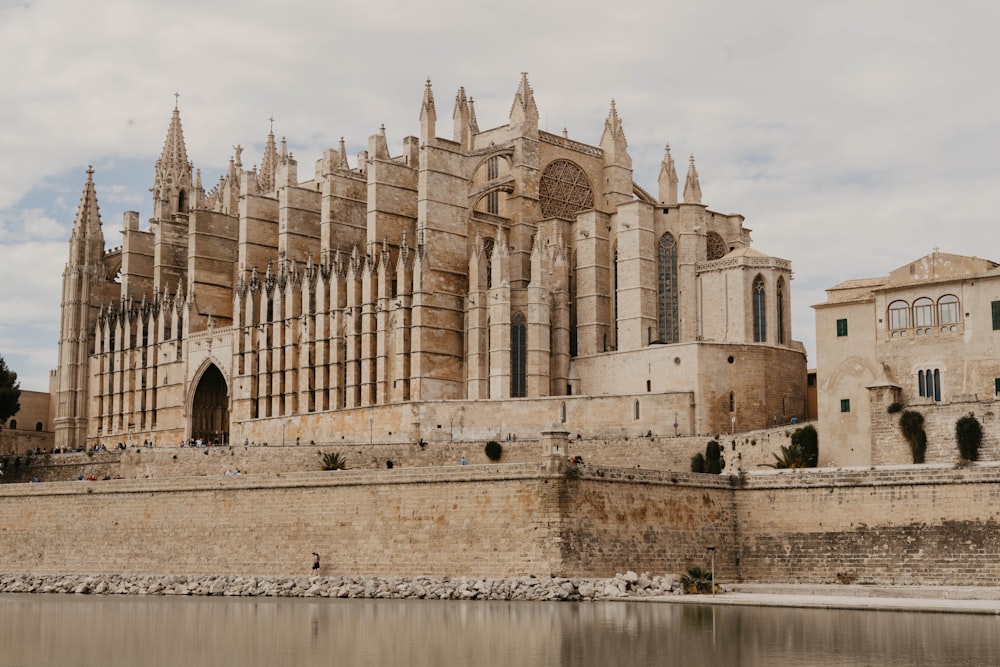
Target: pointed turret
x: 613, y: 141
x: 523, y: 111
x: 172, y: 182
x: 87, y: 237
x: 461, y: 118
x: 342, y: 159
x: 473, y: 123
x: 667, y: 181
x: 378, y: 145
x: 428, y: 116
x: 269, y: 163
x: 692, y: 189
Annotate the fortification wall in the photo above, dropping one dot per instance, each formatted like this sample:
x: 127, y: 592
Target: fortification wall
x: 470, y: 520
x: 895, y: 525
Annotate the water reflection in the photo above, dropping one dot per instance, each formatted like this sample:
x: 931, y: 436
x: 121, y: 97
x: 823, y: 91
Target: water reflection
x: 154, y: 631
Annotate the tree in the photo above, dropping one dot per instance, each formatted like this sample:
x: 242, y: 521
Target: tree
x: 10, y: 393
x: 969, y: 433
x: 911, y: 423
x: 808, y: 440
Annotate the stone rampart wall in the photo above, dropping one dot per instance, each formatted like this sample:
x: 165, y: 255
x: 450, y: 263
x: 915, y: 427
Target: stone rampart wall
x: 930, y: 524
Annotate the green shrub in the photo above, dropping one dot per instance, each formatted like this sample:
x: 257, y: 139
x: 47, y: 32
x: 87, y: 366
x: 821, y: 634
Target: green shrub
x: 714, y: 463
x: 698, y: 462
x: 894, y: 408
x: 697, y: 580
x: 808, y: 441
x: 334, y: 461
x: 493, y: 450
x: 792, y: 456
x: 911, y: 423
x: 969, y: 434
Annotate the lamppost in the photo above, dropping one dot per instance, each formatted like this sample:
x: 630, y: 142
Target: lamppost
x: 711, y: 551
x: 732, y: 424
x: 371, y: 427
x: 675, y: 424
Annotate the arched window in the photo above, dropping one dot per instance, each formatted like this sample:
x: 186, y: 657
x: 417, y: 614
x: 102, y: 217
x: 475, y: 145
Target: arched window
x: 781, y: 311
x: 923, y: 312
x: 38, y: 426
x: 666, y: 285
x: 13, y: 424
x: 948, y: 309
x: 518, y: 356
x: 182, y: 202
x: 759, y: 310
x: 899, y: 315
x: 637, y: 410
x: 715, y: 246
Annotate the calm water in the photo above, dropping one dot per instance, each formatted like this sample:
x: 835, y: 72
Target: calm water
x: 55, y: 630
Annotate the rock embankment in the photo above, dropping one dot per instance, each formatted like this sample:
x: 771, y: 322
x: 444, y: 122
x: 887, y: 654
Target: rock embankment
x: 621, y: 586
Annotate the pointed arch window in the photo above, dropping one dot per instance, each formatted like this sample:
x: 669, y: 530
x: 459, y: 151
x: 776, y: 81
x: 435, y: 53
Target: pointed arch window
x: 781, y: 311
x: 518, y: 356
x: 666, y: 288
x: 759, y: 310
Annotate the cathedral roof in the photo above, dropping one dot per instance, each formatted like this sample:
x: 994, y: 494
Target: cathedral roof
x: 746, y: 251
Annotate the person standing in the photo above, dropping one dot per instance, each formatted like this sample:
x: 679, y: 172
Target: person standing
x: 315, y: 561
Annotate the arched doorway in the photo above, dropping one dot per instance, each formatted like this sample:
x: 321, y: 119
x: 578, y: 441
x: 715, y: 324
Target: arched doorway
x: 210, y: 408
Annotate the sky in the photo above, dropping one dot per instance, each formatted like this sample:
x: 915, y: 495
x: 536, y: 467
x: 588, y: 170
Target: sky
x: 854, y: 136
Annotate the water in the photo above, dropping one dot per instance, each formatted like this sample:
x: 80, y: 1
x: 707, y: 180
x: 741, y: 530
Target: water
x: 50, y: 630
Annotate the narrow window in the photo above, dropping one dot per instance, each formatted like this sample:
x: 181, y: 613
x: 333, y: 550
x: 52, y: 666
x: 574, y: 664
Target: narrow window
x: 921, y: 385
x: 637, y: 410
x: 845, y: 405
x: 842, y: 327
x: 759, y: 311
x: 996, y: 315
x: 518, y: 356
x: 13, y: 423
x: 562, y: 412
x: 493, y: 203
x: 937, y: 385
x: 492, y: 168
x: 666, y: 284
x: 732, y: 402
x: 781, y: 311
x: 996, y: 386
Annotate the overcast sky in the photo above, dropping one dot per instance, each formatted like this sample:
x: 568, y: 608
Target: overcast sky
x: 854, y: 136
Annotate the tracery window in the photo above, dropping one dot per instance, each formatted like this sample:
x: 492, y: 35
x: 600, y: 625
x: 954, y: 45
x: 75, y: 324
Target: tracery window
x: 899, y: 315
x: 759, y: 310
x: 518, y: 356
x: 948, y: 309
x: 666, y: 286
x: 716, y: 246
x: 923, y: 312
x: 564, y: 190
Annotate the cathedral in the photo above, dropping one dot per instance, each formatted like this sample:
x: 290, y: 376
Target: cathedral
x: 470, y: 286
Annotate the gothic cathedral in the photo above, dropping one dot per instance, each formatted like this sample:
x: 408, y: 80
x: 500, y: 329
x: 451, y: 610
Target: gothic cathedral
x: 493, y: 282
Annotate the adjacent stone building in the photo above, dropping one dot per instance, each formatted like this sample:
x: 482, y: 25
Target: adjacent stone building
x: 468, y: 286
x: 926, y: 336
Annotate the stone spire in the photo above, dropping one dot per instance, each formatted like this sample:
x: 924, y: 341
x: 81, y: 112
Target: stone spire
x: 668, y: 179
x: 460, y: 116
x: 342, y: 159
x: 692, y: 189
x: 473, y: 123
x: 269, y: 163
x: 613, y: 141
x: 428, y: 116
x: 172, y: 180
x: 524, y: 111
x: 87, y: 238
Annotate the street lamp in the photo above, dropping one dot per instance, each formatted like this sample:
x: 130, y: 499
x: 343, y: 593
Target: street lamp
x: 711, y: 551
x: 371, y: 427
x: 675, y: 424
x: 732, y: 424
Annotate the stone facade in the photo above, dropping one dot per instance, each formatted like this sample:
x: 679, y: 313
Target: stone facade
x: 498, y: 281
x: 31, y: 427
x: 925, y: 336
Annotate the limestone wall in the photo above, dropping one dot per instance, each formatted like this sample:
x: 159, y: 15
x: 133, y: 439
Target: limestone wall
x: 930, y: 524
